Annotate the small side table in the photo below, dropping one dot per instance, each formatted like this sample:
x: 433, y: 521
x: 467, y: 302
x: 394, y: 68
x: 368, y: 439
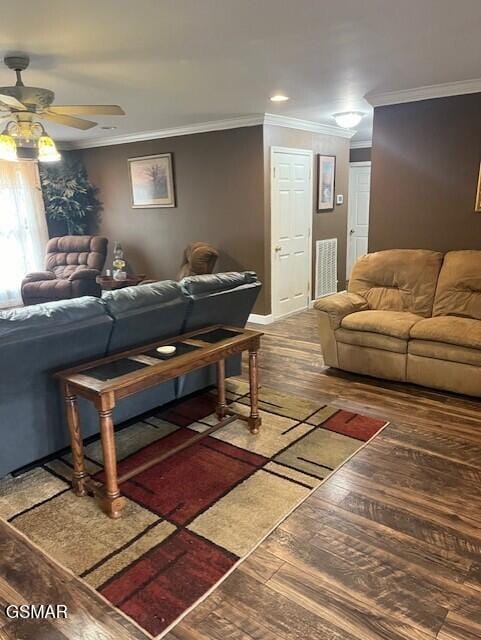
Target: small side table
x: 108, y: 283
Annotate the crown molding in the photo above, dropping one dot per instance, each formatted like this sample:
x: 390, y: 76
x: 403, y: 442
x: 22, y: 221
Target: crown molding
x: 171, y: 132
x: 307, y: 125
x: 428, y: 92
x: 213, y: 125
x: 361, y: 144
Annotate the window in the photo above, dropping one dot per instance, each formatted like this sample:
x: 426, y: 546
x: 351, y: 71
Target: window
x: 23, y: 227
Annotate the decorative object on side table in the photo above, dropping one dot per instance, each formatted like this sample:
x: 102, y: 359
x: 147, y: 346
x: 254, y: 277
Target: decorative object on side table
x: 326, y: 172
x: 477, y: 205
x: 119, y: 263
x: 152, y: 181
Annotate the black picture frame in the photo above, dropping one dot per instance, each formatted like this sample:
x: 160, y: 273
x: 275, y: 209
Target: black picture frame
x: 326, y: 182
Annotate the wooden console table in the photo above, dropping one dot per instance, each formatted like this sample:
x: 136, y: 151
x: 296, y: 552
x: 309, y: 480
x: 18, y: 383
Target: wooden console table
x: 107, y: 380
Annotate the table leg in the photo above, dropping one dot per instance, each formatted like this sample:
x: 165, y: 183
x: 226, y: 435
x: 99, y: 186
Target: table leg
x: 112, y: 502
x: 80, y: 474
x: 254, y: 420
x: 221, y: 402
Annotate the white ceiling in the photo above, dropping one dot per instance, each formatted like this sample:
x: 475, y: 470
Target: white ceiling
x: 179, y: 62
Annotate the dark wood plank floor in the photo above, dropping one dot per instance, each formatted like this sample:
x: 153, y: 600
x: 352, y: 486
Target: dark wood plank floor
x: 390, y: 546
x: 27, y: 576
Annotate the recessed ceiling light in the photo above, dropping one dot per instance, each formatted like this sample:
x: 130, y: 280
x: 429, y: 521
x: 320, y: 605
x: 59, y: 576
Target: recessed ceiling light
x: 279, y: 97
x: 348, y: 119
x: 106, y: 128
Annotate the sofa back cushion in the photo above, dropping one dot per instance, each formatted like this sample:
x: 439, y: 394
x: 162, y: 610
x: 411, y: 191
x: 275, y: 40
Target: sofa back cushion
x: 398, y: 279
x: 220, y: 298
x: 145, y: 313
x: 459, y: 286
x: 67, y: 253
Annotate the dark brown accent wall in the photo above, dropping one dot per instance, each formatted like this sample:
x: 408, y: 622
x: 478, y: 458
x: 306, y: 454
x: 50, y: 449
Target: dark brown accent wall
x: 220, y: 199
x: 331, y: 224
x: 360, y: 155
x: 425, y: 163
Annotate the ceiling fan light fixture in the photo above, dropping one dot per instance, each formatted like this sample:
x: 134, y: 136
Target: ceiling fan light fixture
x: 348, y: 119
x: 8, y: 148
x: 47, y: 151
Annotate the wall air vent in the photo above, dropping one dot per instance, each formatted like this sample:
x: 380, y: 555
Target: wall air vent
x: 326, y: 267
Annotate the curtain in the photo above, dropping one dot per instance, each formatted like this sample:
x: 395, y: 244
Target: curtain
x: 23, y: 227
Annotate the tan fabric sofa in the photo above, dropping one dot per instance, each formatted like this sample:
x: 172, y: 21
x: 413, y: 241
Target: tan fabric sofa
x: 408, y: 315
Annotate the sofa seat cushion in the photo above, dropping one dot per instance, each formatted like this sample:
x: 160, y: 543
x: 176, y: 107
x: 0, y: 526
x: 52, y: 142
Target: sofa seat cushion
x: 444, y: 351
x: 464, y: 332
x: 372, y: 340
x: 397, y: 324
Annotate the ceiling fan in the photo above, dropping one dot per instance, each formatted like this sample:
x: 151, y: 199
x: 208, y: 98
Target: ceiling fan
x: 25, y: 105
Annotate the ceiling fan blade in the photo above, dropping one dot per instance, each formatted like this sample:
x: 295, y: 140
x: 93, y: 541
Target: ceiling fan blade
x: 12, y: 102
x: 88, y: 109
x: 68, y: 121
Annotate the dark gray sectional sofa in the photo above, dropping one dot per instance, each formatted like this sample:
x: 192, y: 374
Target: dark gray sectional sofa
x: 38, y: 340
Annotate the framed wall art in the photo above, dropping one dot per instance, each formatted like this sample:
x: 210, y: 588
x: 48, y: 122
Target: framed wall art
x: 477, y: 204
x: 326, y: 172
x: 152, y: 181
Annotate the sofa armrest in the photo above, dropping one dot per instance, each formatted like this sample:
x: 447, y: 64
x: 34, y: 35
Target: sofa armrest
x: 84, y: 274
x: 340, y: 305
x: 331, y: 311
x: 38, y: 276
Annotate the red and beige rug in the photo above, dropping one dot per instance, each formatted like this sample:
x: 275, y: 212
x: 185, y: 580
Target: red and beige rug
x: 191, y: 518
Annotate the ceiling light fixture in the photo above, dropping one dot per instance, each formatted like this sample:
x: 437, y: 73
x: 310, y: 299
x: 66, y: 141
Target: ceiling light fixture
x: 30, y: 138
x: 348, y: 119
x: 8, y: 148
x: 279, y: 97
x: 24, y: 137
x: 47, y: 151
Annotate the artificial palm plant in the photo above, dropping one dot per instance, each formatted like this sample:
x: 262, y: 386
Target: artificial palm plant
x: 71, y: 203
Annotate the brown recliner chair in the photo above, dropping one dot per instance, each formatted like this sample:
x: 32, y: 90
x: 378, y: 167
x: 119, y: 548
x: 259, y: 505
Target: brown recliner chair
x: 199, y: 259
x: 72, y: 265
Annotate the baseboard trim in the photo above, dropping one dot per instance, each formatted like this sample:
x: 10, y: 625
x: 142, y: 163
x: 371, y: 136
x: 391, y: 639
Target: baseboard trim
x: 259, y: 319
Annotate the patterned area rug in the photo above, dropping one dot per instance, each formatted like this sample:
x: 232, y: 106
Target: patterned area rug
x: 189, y: 519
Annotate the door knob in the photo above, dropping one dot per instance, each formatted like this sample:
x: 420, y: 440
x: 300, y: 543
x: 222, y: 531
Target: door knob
x: 351, y: 232
x: 277, y: 249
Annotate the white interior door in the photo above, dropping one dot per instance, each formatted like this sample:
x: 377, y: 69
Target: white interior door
x: 291, y: 216
x: 358, y: 212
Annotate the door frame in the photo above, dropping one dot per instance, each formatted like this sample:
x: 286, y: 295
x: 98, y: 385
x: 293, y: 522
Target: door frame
x: 310, y: 154
x: 364, y: 163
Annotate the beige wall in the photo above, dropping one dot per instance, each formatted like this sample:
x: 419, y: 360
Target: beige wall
x: 332, y: 224
x: 425, y: 164
x: 220, y: 199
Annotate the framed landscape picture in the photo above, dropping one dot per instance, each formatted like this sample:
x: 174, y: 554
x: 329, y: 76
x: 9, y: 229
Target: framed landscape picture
x: 477, y: 205
x: 152, y: 181
x: 326, y: 171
